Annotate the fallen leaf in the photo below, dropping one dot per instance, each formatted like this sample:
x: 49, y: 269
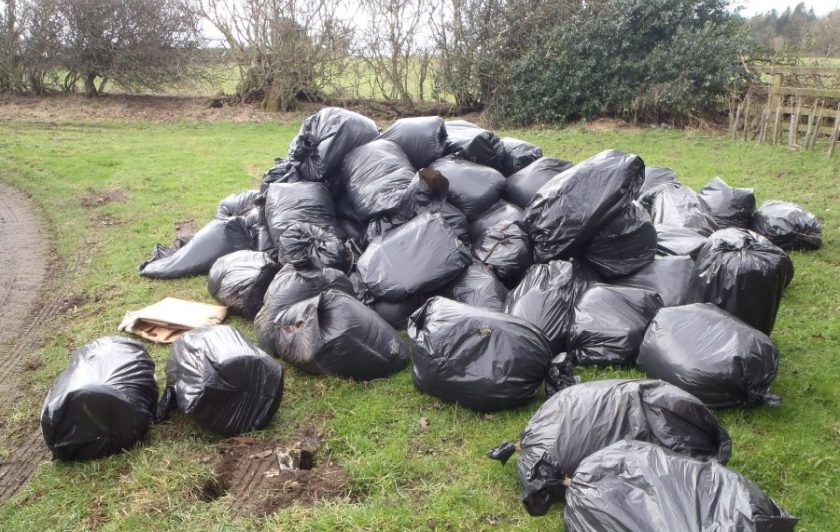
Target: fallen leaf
x: 262, y: 454
x: 424, y: 424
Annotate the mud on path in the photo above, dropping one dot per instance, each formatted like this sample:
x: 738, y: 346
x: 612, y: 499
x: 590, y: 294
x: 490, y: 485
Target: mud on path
x: 23, y: 271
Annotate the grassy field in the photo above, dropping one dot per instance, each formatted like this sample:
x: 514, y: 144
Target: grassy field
x: 404, y: 474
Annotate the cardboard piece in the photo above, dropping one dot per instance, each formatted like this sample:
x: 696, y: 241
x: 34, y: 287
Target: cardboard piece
x: 169, y: 318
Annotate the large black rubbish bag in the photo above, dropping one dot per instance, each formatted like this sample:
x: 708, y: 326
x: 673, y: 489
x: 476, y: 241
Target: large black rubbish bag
x: 506, y: 248
x: 519, y: 154
x: 239, y: 280
x: 561, y: 375
x: 568, y: 211
x: 221, y: 381
x: 292, y: 285
x: 422, y: 138
x: 473, y: 188
x: 478, y: 358
x: 501, y: 211
x: 396, y: 314
x: 453, y: 217
x: 304, y: 244
x: 325, y: 138
x: 417, y: 257
x: 103, y: 402
x: 478, y: 286
x: 729, y: 206
x: 654, y: 178
x: 379, y: 180
x: 625, y: 244
x: 787, y: 225
x: 240, y: 204
x: 634, y: 485
x: 470, y: 142
x: 283, y: 171
x: 522, y: 186
x: 301, y: 202
x: 216, y: 239
x: 743, y: 273
x: 334, y: 333
x: 681, y: 206
x: 710, y: 353
x: 677, y: 240
x: 545, y: 297
x: 609, y: 323
x: 585, y: 418
x: 585, y: 275
x: 667, y: 276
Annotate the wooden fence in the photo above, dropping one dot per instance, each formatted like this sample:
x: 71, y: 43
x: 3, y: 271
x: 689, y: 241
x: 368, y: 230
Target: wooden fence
x: 768, y: 110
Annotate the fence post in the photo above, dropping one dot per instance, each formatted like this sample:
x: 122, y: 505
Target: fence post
x: 776, y: 88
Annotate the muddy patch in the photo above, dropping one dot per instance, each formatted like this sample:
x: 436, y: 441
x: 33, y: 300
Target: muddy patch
x: 260, y: 477
x: 185, y: 230
x: 97, y: 198
x: 73, y: 303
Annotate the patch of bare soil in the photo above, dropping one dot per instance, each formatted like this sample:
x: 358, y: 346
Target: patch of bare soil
x: 155, y: 108
x: 260, y: 477
x: 98, y: 198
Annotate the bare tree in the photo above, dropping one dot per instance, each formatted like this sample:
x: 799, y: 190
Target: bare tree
x: 11, y: 77
x: 286, y: 50
x: 390, y: 45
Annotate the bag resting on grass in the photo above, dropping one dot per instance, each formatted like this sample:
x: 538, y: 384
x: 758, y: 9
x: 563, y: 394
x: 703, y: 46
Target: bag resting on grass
x: 480, y: 359
x: 787, y: 225
x: 635, y: 485
x: 334, y: 333
x: 221, y: 381
x: 585, y: 418
x: 216, y: 239
x: 103, y: 402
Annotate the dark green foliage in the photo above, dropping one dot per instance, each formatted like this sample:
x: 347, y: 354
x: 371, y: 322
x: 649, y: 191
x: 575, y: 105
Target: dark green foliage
x: 651, y: 59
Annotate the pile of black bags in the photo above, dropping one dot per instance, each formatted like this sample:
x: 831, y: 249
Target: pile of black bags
x: 507, y: 268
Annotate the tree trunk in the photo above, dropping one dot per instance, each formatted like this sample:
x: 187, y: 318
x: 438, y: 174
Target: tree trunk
x: 90, y: 85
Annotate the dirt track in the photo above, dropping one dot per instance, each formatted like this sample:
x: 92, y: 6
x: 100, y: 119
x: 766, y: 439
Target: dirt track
x: 22, y: 273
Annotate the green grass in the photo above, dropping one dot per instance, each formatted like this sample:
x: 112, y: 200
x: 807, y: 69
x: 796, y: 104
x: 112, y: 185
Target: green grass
x: 404, y: 477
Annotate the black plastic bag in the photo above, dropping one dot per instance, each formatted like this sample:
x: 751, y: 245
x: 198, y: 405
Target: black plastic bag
x: 334, y: 333
x: 568, y: 211
x: 376, y: 176
x: 422, y: 138
x: 418, y: 257
x: 478, y: 358
x: 609, y: 323
x: 506, y: 248
x: 588, y: 417
x: 654, y: 178
x: 240, y: 204
x: 635, y: 485
x: 522, y: 186
x: 501, y: 211
x: 216, y: 239
x: 743, y: 273
x: 667, y: 276
x: 470, y: 142
x: 681, y: 206
x: 626, y: 244
x: 283, y: 171
x: 302, y: 202
x: 239, y: 280
x: 729, y: 206
x: 396, y: 314
x: 585, y: 275
x: 473, y: 188
x: 677, y: 240
x: 221, y: 381
x: 787, y: 225
x: 561, y: 375
x: 518, y: 154
x: 325, y: 138
x: 103, y: 402
x: 453, y: 217
x: 546, y: 298
x: 304, y: 244
x: 478, y: 286
x: 292, y: 285
x: 710, y: 353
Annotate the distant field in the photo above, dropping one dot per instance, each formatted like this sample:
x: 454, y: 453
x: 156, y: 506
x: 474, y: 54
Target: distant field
x: 413, y: 462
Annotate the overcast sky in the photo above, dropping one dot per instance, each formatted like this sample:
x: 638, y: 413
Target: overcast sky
x: 751, y: 7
